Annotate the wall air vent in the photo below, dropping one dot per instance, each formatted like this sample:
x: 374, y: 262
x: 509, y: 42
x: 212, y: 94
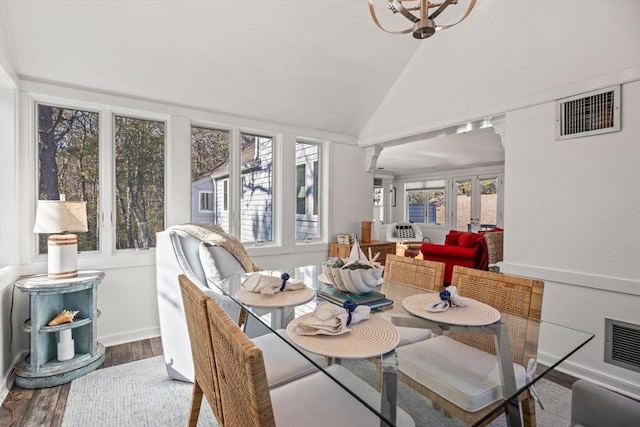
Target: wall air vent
x: 622, y: 344
x: 588, y: 113
x: 377, y: 182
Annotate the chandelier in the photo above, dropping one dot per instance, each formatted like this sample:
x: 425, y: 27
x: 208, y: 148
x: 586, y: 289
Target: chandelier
x: 424, y: 25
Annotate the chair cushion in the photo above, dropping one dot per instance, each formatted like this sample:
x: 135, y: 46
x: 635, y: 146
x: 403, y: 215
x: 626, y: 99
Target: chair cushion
x: 317, y: 400
x: 282, y: 363
x: 410, y: 335
x: 462, y: 374
x: 218, y: 262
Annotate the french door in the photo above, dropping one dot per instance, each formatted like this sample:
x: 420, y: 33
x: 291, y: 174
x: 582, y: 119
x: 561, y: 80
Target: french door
x: 478, y: 204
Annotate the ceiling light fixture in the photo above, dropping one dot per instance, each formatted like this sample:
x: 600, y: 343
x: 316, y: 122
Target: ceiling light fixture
x: 424, y: 26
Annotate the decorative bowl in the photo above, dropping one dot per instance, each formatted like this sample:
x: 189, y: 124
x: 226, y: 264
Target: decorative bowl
x: 355, y: 281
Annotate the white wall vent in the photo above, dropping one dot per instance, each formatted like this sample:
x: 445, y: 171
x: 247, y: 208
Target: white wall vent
x: 622, y: 344
x: 589, y: 113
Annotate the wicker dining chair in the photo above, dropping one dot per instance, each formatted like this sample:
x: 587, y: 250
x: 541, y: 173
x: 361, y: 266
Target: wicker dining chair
x: 414, y: 272
x: 283, y: 363
x: 519, y: 300
x: 205, y: 373
x: 314, y: 400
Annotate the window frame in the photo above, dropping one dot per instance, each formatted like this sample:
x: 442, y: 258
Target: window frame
x: 424, y: 186
x: 106, y: 154
x: 210, y: 197
x: 318, y: 198
x: 112, y: 144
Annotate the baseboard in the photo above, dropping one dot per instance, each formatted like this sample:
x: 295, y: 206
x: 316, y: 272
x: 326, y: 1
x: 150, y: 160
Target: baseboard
x: 129, y: 336
x: 605, y: 380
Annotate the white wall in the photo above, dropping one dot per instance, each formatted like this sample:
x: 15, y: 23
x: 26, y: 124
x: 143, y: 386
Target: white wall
x: 573, y: 220
x: 9, y: 242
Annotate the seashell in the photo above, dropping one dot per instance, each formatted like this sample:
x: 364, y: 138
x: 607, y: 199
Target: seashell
x: 65, y: 316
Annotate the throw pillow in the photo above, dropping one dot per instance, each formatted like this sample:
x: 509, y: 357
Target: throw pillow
x: 467, y: 239
x: 405, y: 232
x: 218, y: 262
x: 453, y: 238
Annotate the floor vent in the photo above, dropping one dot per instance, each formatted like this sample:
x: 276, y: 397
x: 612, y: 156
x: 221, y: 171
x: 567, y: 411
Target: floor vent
x: 588, y: 113
x: 622, y: 344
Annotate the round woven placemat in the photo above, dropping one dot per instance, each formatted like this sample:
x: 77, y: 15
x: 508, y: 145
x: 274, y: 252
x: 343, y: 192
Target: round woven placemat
x: 476, y: 313
x: 279, y: 299
x: 368, y: 338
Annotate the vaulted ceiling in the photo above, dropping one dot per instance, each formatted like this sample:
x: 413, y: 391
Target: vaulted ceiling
x: 319, y: 64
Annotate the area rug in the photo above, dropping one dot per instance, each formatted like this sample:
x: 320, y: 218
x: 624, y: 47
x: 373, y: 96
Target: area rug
x: 140, y: 394
x: 133, y: 394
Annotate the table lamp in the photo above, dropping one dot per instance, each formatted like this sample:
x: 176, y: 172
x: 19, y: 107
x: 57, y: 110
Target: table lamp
x: 60, y: 216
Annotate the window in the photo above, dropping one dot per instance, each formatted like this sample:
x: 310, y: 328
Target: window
x: 476, y: 203
x: 427, y: 204
x: 139, y: 170
x: 307, y: 190
x: 256, y: 210
x: 206, y: 201
x: 210, y: 174
x: 68, y: 164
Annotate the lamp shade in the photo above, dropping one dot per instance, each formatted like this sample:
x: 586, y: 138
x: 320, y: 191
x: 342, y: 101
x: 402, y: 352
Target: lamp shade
x: 55, y: 216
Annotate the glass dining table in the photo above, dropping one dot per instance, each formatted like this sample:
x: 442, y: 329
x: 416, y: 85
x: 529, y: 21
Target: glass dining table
x: 369, y: 350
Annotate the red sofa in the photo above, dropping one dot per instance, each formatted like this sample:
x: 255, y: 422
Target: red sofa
x: 460, y: 248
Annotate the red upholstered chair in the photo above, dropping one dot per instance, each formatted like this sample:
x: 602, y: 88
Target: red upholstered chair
x: 460, y: 248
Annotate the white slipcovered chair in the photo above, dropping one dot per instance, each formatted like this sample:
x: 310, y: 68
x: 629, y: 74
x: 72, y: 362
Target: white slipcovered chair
x: 179, y: 252
x: 404, y: 231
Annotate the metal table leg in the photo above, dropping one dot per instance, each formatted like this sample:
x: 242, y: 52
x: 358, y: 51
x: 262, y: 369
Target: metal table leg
x: 389, y: 395
x: 507, y: 374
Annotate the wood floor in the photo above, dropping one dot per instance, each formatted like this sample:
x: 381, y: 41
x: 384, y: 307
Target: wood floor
x: 45, y: 407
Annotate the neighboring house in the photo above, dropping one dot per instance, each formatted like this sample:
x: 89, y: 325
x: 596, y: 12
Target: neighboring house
x: 210, y: 194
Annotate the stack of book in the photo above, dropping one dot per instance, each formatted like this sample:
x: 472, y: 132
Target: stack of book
x: 373, y: 299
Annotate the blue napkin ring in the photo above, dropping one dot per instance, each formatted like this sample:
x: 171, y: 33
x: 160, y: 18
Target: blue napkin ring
x: 445, y: 295
x: 284, y: 277
x: 349, y: 305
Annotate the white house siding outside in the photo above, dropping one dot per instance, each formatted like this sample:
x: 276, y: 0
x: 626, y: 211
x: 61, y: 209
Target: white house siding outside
x: 257, y: 193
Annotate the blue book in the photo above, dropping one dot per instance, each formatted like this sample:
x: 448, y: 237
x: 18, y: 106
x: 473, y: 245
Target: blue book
x: 375, y: 305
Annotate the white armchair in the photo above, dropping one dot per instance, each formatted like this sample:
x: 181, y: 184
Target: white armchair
x: 404, y: 231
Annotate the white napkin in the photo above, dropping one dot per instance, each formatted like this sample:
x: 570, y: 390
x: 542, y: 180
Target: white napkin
x: 269, y: 285
x: 448, y: 298
x: 331, y: 319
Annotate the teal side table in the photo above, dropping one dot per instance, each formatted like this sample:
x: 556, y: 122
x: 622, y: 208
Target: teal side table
x: 47, y: 298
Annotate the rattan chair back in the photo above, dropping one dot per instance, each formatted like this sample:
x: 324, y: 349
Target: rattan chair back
x: 519, y: 300
x: 242, y: 378
x: 205, y: 374
x: 417, y: 273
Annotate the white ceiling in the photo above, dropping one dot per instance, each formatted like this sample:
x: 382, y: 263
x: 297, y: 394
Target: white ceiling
x: 482, y: 147
x: 314, y: 63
